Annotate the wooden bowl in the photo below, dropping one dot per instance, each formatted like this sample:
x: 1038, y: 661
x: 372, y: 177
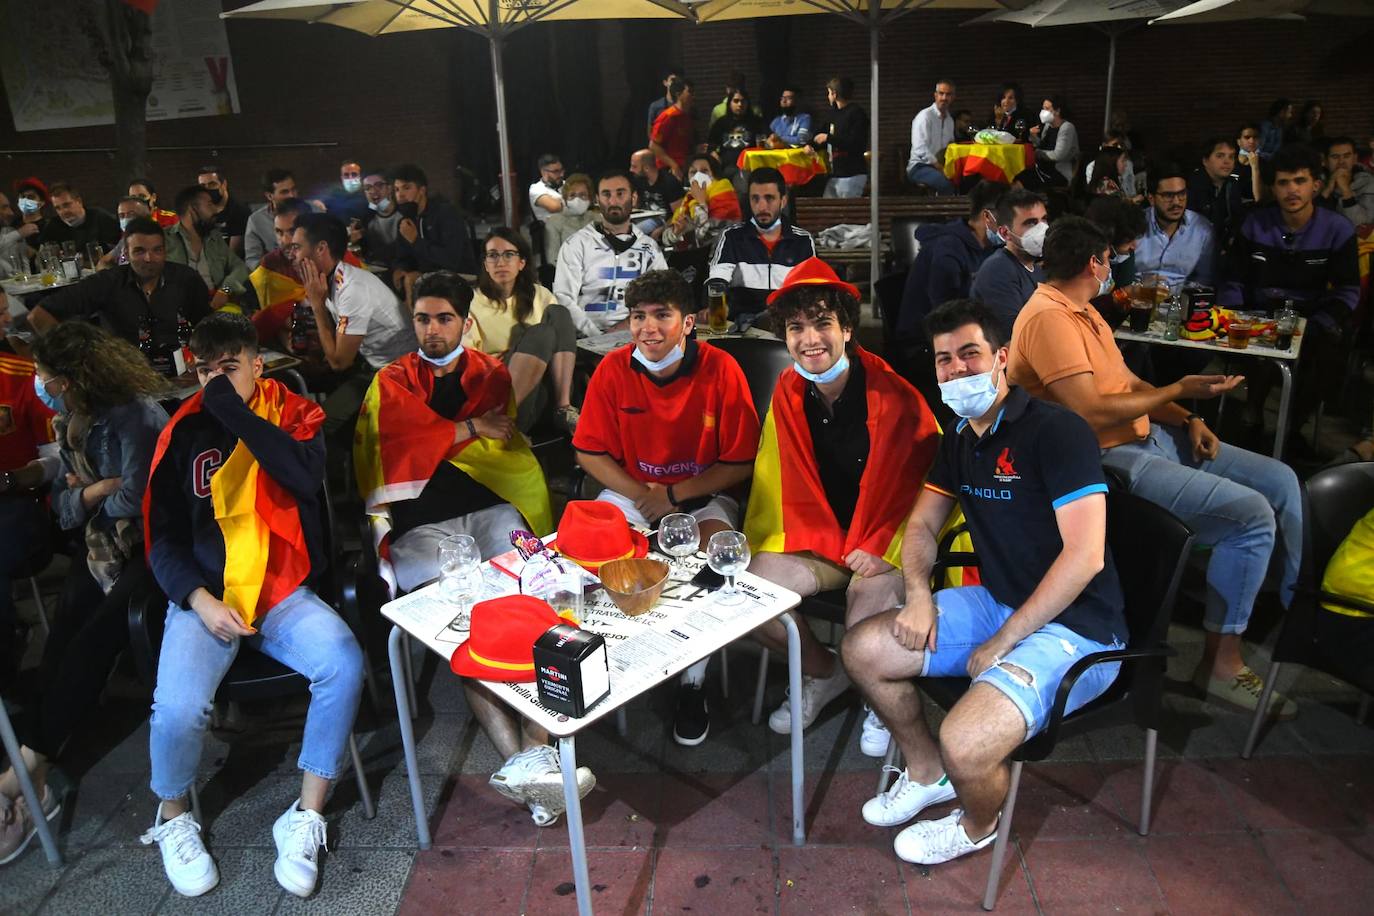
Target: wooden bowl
x: 634, y: 585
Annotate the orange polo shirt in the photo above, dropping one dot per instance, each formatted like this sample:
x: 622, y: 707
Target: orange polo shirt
x: 1054, y: 339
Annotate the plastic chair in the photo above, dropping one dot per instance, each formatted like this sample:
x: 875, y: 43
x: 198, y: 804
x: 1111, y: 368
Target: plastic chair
x: 1334, y: 500
x: 253, y: 675
x: 1150, y: 549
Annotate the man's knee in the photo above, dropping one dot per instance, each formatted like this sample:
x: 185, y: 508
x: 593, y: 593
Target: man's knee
x: 866, y: 650
x: 983, y: 727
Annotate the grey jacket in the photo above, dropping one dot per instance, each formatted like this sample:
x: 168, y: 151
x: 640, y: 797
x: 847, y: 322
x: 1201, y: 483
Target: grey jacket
x: 120, y: 444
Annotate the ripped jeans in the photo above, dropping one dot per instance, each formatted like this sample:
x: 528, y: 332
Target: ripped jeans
x: 969, y: 616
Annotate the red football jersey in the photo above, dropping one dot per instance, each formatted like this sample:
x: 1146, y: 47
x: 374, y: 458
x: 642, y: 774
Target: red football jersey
x: 25, y: 421
x: 669, y: 433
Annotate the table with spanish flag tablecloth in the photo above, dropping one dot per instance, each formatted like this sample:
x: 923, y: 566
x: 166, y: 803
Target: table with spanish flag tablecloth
x: 797, y: 164
x: 995, y: 162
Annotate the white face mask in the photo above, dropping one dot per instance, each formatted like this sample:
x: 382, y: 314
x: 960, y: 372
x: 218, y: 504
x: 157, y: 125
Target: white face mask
x: 1033, y: 241
x: 971, y: 396
x: 382, y: 206
x: 577, y: 205
x: 352, y: 185
x: 442, y: 361
x: 701, y: 179
x: 26, y: 205
x: 1106, y: 284
x: 124, y: 222
x: 658, y: 365
x: 1046, y: 116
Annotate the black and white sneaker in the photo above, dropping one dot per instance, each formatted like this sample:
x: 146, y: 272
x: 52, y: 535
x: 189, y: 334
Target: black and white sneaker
x: 692, y: 722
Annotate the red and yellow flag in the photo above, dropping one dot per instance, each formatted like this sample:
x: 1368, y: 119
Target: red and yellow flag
x: 399, y: 440
x: 722, y: 203
x: 788, y: 511
x: 265, y: 554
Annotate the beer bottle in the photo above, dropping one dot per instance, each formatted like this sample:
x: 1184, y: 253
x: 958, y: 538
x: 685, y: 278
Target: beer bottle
x: 302, y: 320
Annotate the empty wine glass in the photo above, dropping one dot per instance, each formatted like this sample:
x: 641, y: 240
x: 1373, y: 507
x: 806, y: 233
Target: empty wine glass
x: 460, y: 576
x: 727, y: 552
x: 679, y: 536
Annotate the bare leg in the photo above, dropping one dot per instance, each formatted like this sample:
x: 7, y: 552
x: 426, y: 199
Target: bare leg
x: 710, y: 527
x: 495, y: 718
x: 313, y: 791
x: 532, y: 735
x: 817, y: 660
x: 526, y: 371
x: 562, y: 376
x: 976, y: 739
x: 882, y: 670
x: 37, y: 766
x: 1221, y: 655
x: 176, y: 808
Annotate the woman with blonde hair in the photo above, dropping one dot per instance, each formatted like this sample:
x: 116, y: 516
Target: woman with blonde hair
x: 577, y: 212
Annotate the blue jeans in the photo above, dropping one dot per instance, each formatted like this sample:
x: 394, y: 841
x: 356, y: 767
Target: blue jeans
x: 1246, y: 507
x: 969, y: 616
x: 852, y: 186
x: 927, y: 174
x: 303, y: 633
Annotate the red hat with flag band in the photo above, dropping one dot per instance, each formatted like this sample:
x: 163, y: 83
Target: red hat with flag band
x: 593, y: 532
x: 812, y: 272
x: 500, y: 645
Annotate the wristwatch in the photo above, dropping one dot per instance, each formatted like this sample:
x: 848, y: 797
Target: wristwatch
x: 1190, y: 418
x: 226, y: 290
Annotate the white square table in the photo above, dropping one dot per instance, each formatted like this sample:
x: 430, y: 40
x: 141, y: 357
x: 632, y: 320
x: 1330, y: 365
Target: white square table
x: 1284, y: 359
x: 688, y: 624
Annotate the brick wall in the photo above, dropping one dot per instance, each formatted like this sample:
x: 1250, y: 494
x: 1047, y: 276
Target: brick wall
x: 426, y: 96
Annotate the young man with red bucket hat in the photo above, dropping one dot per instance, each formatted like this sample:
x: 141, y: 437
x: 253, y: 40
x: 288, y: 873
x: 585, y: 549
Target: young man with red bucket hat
x: 846, y: 445
x: 668, y: 425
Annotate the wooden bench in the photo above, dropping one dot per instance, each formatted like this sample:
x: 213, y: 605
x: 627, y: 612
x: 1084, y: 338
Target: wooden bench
x: 817, y: 213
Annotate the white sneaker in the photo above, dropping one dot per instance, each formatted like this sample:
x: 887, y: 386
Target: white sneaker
x: 816, y: 693
x: 933, y: 842
x: 905, y: 799
x: 542, y: 816
x: 189, y: 867
x: 875, y: 737
x: 534, y: 776
x: 300, y: 835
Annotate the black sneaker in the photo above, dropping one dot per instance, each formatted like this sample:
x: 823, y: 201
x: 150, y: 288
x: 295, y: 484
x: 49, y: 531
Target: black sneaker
x: 692, y: 722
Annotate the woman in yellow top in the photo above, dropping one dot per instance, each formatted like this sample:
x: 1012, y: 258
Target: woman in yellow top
x: 515, y: 318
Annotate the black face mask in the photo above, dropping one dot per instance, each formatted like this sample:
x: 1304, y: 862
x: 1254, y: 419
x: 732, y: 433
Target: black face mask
x: 204, y: 227
x: 216, y: 195
x: 409, y: 210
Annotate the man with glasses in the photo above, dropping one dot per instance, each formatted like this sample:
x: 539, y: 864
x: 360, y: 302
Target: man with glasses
x: 545, y: 200
x: 1178, y: 244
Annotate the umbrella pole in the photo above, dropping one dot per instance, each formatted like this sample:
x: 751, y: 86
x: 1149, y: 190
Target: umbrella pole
x: 874, y: 163
x: 1111, y: 78
x: 498, y: 78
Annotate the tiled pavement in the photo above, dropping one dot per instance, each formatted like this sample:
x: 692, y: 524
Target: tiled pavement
x: 706, y: 830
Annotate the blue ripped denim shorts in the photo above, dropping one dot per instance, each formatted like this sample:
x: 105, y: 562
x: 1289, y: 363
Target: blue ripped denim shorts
x: 969, y: 616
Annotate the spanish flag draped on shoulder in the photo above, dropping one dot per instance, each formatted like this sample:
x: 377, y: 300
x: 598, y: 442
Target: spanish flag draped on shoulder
x: 265, y: 553
x: 788, y: 509
x: 399, y: 440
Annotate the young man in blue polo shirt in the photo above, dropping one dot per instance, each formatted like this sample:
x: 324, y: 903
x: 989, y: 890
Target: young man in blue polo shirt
x: 1027, y: 476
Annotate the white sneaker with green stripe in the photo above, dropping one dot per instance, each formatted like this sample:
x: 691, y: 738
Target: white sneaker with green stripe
x: 905, y: 799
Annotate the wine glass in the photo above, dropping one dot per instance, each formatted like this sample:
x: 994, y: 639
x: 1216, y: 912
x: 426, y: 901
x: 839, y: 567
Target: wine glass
x: 679, y: 536
x: 727, y: 552
x: 460, y: 576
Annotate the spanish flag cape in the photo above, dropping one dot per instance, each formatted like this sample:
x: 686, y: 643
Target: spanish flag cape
x: 275, y: 281
x: 788, y: 511
x: 265, y: 554
x: 722, y: 203
x: 399, y: 440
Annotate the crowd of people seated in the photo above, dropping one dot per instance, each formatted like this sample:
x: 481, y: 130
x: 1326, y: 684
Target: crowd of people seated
x: 431, y: 357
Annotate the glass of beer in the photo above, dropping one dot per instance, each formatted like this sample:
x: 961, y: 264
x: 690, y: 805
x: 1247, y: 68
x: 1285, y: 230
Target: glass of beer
x: 1238, y: 331
x: 717, y: 308
x: 1141, y: 311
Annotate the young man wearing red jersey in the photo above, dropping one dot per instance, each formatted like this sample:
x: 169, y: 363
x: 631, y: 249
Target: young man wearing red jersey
x: 667, y: 426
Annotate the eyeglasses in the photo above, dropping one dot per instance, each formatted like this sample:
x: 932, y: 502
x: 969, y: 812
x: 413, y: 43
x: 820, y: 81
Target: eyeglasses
x: 496, y: 257
x: 374, y: 186
x: 1171, y: 195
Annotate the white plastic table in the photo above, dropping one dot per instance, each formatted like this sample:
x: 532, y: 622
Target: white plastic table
x: 688, y: 624
x: 1284, y: 359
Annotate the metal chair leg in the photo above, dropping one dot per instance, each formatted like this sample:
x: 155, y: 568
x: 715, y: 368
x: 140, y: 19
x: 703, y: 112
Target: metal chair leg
x: 1362, y: 713
x: 364, y: 792
x: 374, y: 694
x: 1147, y: 790
x: 724, y: 672
x: 761, y: 683
x: 1258, y: 719
x: 999, y: 847
x: 42, y: 609
x: 622, y: 725
x: 11, y: 745
x: 195, y: 806
x: 893, y: 759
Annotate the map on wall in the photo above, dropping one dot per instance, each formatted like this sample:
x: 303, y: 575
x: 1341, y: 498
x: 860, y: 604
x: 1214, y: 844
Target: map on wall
x: 53, y: 78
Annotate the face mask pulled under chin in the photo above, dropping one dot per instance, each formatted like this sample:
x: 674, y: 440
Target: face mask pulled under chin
x: 382, y: 206
x: 674, y: 356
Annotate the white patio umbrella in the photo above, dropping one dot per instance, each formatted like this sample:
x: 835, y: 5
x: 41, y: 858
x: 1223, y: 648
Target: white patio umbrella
x: 872, y: 16
x: 1111, y: 17
x: 1230, y: 10
x: 493, y: 19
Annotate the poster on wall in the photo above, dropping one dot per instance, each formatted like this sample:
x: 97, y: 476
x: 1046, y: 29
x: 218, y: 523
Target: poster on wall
x: 54, y: 79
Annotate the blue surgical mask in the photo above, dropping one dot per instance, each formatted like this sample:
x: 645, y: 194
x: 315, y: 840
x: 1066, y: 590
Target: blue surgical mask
x: 658, y: 365
x: 994, y: 240
x: 382, y: 206
x: 829, y: 375
x: 124, y: 222
x: 761, y: 227
x: 352, y: 185
x: 443, y: 361
x: 971, y: 396
x: 27, y: 205
x: 55, y: 404
x: 1105, y: 285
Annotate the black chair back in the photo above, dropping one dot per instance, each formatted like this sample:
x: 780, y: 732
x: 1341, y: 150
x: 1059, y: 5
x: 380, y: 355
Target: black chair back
x: 762, y: 361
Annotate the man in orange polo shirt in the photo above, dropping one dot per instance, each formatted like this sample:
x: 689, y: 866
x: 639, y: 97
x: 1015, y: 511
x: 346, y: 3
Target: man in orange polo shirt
x: 1247, y: 508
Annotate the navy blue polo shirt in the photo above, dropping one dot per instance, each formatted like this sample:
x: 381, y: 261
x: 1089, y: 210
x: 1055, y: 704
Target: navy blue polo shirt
x: 1035, y: 458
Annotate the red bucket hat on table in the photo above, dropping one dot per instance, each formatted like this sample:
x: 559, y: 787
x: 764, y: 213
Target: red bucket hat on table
x: 812, y: 272
x: 593, y: 532
x: 500, y: 645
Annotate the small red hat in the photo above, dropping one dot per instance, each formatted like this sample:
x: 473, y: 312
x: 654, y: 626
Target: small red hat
x: 812, y: 272
x: 31, y: 182
x: 500, y: 644
x: 593, y: 532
